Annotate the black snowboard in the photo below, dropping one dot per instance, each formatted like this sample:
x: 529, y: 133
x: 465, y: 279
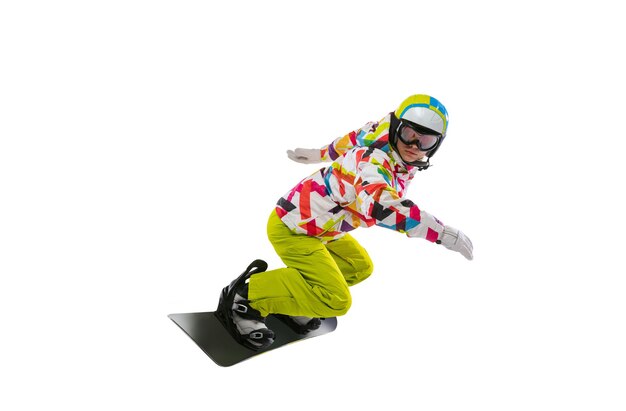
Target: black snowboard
x: 206, y: 330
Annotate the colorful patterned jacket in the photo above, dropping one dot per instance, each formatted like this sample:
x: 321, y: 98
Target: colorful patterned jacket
x: 364, y: 186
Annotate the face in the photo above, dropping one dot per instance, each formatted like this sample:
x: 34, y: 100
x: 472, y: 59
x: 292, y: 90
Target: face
x: 410, y: 153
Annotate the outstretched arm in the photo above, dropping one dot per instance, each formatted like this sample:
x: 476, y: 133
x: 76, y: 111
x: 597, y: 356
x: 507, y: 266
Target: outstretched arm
x: 377, y: 198
x: 331, y: 151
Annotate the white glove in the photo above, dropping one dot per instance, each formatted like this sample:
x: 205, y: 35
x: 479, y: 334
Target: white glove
x: 454, y: 239
x: 305, y: 155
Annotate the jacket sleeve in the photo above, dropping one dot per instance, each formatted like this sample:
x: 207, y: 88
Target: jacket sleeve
x: 378, y: 199
x: 372, y: 134
x: 341, y: 145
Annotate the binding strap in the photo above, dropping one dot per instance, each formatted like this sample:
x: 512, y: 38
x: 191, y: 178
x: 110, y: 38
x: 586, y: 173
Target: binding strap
x: 243, y: 308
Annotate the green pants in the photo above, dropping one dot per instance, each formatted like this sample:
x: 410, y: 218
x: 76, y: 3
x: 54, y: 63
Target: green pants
x: 316, y: 280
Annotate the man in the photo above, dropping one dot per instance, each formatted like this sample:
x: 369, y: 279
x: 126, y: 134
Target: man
x: 364, y: 186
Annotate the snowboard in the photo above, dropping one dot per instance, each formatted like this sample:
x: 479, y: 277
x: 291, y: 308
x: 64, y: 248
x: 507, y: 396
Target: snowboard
x: 207, y: 331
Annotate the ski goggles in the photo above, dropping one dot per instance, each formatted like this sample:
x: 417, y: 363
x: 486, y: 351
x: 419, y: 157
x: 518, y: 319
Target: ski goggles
x: 420, y: 137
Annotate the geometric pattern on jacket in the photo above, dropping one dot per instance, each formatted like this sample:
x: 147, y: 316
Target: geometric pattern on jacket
x: 364, y: 186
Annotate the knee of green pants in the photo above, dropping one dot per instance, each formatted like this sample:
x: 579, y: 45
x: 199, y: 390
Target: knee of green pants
x: 273, y: 293
x: 332, y: 303
x: 362, y: 272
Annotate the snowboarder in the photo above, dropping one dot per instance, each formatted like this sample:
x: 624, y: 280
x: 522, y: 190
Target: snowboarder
x: 309, y: 228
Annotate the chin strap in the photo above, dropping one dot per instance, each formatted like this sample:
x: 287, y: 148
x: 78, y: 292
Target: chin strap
x: 421, y: 165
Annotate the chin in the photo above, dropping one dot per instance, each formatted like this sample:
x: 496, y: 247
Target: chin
x: 412, y: 158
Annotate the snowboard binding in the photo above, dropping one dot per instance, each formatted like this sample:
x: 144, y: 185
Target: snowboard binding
x: 227, y: 307
x: 299, y: 326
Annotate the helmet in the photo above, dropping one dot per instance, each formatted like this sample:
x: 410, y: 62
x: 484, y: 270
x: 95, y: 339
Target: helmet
x: 422, y: 113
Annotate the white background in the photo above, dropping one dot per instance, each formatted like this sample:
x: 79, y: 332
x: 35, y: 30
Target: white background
x: 143, y: 146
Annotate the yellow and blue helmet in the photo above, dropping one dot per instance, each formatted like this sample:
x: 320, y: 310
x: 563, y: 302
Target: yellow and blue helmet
x: 425, y: 115
x: 425, y: 111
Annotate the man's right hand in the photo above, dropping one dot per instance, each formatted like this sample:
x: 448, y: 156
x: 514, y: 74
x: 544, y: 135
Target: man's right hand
x: 305, y: 155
